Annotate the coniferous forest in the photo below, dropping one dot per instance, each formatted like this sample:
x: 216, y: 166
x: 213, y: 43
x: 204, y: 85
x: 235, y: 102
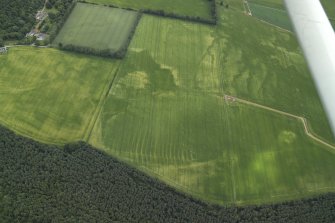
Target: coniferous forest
x: 77, y: 183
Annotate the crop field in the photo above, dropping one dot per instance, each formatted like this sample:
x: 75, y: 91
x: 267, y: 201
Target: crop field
x: 50, y: 95
x: 278, y: 4
x: 97, y: 27
x: 167, y: 114
x: 199, y: 8
x: 277, y: 17
x: 329, y: 6
x: 228, y: 113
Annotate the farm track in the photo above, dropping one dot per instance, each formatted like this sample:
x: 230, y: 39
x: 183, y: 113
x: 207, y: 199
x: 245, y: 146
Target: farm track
x: 100, y: 105
x: 307, y: 129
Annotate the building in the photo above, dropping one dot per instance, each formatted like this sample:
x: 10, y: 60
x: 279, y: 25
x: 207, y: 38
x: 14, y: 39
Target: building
x: 32, y: 33
x: 3, y: 50
x: 41, y: 36
x: 41, y: 15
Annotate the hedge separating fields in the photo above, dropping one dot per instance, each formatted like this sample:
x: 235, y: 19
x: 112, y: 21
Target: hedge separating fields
x: 197, y: 19
x: 77, y: 183
x: 60, y: 19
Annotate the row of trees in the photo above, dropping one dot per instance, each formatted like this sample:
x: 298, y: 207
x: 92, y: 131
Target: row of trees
x: 91, y: 51
x: 77, y: 183
x: 58, y: 18
x: 198, y: 19
x: 17, y: 17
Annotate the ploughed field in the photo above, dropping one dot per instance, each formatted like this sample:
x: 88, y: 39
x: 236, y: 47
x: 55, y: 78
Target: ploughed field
x: 172, y: 107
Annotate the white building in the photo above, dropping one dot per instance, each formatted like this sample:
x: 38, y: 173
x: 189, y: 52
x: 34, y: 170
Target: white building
x: 3, y: 50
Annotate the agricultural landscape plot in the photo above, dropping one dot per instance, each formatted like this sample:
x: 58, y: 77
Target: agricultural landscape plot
x: 278, y: 17
x: 51, y: 95
x: 166, y: 112
x: 172, y: 107
x: 278, y: 4
x: 274, y: 12
x: 194, y: 8
x: 329, y: 7
x: 97, y: 27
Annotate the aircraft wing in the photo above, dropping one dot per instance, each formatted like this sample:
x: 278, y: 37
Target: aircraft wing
x: 317, y: 39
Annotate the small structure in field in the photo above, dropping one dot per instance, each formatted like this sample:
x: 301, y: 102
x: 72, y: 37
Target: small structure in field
x: 229, y: 98
x: 32, y: 33
x: 41, y: 36
x: 3, y: 50
x: 41, y: 15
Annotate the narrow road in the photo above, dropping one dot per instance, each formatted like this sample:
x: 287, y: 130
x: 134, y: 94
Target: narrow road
x: 307, y: 130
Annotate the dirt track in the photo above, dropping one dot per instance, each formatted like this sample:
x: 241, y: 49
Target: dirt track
x: 307, y: 130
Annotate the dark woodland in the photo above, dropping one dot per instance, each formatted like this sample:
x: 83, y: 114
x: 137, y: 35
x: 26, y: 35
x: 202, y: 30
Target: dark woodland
x: 77, y: 183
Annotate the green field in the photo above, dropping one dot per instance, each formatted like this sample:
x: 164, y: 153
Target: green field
x: 278, y: 4
x: 280, y: 18
x: 166, y: 112
x: 277, y: 17
x: 199, y: 8
x: 163, y: 108
x: 50, y: 95
x: 97, y: 27
x: 329, y: 6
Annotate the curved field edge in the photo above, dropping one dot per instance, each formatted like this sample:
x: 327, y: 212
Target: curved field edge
x: 173, y: 129
x: 177, y: 81
x: 258, y: 172
x: 78, y: 182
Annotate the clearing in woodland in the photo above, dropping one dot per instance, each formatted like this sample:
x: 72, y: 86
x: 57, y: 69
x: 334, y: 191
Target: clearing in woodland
x: 97, y: 27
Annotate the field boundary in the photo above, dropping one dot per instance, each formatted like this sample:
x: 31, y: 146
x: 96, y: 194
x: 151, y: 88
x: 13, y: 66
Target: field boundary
x: 116, y: 54
x: 97, y: 112
x: 303, y: 120
x: 249, y: 13
x: 162, y: 13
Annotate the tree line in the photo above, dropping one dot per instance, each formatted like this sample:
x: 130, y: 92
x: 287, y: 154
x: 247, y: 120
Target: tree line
x: 58, y: 18
x: 77, y: 183
x: 157, y: 12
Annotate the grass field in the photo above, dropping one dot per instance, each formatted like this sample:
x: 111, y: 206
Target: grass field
x: 166, y: 112
x: 97, y: 27
x: 278, y: 4
x: 199, y: 8
x: 277, y: 17
x: 50, y: 95
x: 329, y: 6
x: 163, y: 108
